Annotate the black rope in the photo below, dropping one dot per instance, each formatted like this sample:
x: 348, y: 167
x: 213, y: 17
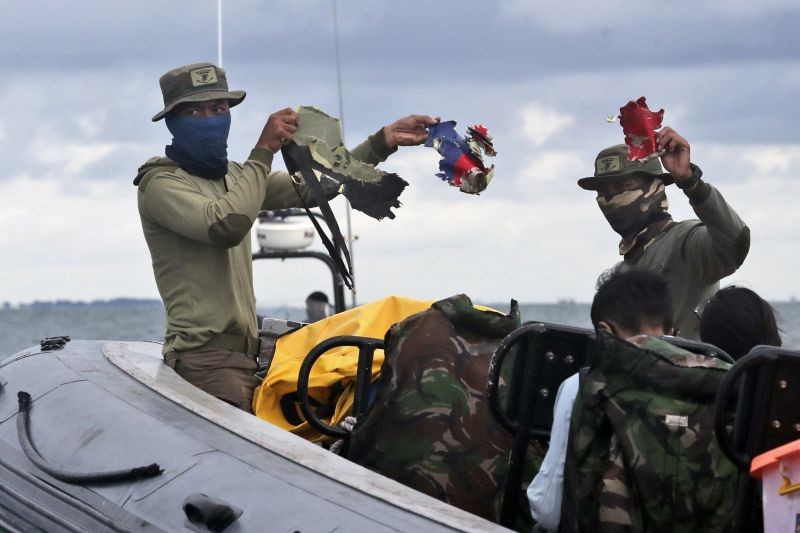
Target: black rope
x: 298, y: 160
x: 23, y: 420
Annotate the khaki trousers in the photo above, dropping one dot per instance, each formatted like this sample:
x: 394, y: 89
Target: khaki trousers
x: 225, y: 374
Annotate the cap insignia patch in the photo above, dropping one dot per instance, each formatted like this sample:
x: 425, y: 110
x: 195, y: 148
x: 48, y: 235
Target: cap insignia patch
x: 605, y: 165
x: 203, y: 76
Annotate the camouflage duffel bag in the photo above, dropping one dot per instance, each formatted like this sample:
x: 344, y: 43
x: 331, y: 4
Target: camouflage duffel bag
x: 430, y: 427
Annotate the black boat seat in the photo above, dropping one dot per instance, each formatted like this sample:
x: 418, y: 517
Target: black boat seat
x: 767, y: 415
x: 366, y: 352
x: 544, y: 356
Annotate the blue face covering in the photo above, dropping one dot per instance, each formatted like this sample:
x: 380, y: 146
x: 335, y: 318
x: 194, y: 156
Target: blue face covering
x: 200, y: 144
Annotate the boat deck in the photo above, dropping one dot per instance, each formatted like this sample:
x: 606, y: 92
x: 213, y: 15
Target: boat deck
x: 91, y: 413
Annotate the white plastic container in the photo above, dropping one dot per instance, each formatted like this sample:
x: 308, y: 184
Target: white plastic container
x: 291, y: 233
x: 779, y: 471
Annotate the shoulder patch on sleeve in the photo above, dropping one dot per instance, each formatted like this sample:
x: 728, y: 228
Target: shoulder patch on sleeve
x: 230, y: 231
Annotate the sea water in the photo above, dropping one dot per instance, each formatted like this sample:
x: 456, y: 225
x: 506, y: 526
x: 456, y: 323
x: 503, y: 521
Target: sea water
x: 21, y: 327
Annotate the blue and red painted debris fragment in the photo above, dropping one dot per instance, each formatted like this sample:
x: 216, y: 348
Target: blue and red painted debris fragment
x: 462, y: 163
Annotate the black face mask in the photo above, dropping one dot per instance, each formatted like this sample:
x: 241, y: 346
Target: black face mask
x: 630, y: 212
x: 200, y: 144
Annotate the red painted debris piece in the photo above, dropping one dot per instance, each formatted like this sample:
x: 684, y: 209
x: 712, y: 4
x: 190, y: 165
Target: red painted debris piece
x: 639, y: 125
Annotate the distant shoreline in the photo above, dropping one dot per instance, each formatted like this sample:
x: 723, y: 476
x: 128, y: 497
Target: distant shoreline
x: 117, y: 302
x: 55, y: 304
x: 144, y: 319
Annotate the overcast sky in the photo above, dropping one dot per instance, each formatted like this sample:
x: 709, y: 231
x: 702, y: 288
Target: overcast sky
x: 80, y: 83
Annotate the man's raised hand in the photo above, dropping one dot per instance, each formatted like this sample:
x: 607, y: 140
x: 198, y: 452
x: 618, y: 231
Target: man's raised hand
x: 279, y: 130
x: 677, y: 154
x: 408, y: 131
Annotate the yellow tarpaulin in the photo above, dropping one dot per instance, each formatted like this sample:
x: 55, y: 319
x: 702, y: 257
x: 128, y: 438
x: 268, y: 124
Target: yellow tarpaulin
x: 336, y: 367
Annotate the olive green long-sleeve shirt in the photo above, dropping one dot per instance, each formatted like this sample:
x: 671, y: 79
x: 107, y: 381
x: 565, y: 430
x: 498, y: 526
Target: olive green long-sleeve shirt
x: 693, y: 255
x: 198, y: 232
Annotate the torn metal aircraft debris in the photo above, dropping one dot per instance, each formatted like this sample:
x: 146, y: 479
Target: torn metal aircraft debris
x: 639, y: 125
x: 462, y: 159
x: 368, y: 189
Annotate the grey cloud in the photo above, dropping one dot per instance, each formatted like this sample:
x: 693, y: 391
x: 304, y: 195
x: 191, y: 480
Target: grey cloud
x: 467, y: 41
x: 397, y: 59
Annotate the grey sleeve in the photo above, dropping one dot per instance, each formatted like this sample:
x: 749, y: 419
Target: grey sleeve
x: 175, y: 202
x: 374, y: 150
x: 282, y: 192
x: 719, y: 245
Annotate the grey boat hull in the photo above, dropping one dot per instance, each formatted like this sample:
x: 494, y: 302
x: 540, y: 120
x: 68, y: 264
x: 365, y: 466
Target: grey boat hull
x: 99, y: 406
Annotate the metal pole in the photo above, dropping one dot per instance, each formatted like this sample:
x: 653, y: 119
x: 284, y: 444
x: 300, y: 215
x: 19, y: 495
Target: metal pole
x: 338, y: 64
x: 219, y: 33
x: 338, y: 284
x: 341, y: 119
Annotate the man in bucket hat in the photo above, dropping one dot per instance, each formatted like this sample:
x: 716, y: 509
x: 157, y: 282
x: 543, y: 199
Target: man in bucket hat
x: 197, y: 208
x: 693, y: 255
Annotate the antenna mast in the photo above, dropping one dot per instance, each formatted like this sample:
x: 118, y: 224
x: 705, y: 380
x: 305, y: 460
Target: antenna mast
x: 341, y: 119
x: 219, y: 33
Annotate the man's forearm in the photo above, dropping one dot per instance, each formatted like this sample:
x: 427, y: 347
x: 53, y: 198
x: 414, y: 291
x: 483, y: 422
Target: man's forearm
x: 727, y: 232
x: 695, y: 188
x: 374, y: 149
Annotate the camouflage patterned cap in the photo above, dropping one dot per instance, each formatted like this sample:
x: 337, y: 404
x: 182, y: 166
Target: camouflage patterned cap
x: 198, y: 82
x: 612, y: 164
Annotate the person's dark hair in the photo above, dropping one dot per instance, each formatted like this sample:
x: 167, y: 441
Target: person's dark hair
x: 632, y: 300
x: 736, y: 319
x: 318, y: 296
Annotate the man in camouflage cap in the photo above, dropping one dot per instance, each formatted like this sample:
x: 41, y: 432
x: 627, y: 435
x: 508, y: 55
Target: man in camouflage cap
x: 197, y: 208
x: 693, y: 254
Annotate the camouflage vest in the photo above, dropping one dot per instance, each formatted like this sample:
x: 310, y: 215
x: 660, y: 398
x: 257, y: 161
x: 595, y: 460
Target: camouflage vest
x: 430, y: 427
x: 642, y: 454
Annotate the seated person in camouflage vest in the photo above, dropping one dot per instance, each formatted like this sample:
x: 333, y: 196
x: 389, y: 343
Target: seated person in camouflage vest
x: 628, y: 305
x: 197, y: 209
x: 640, y: 452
